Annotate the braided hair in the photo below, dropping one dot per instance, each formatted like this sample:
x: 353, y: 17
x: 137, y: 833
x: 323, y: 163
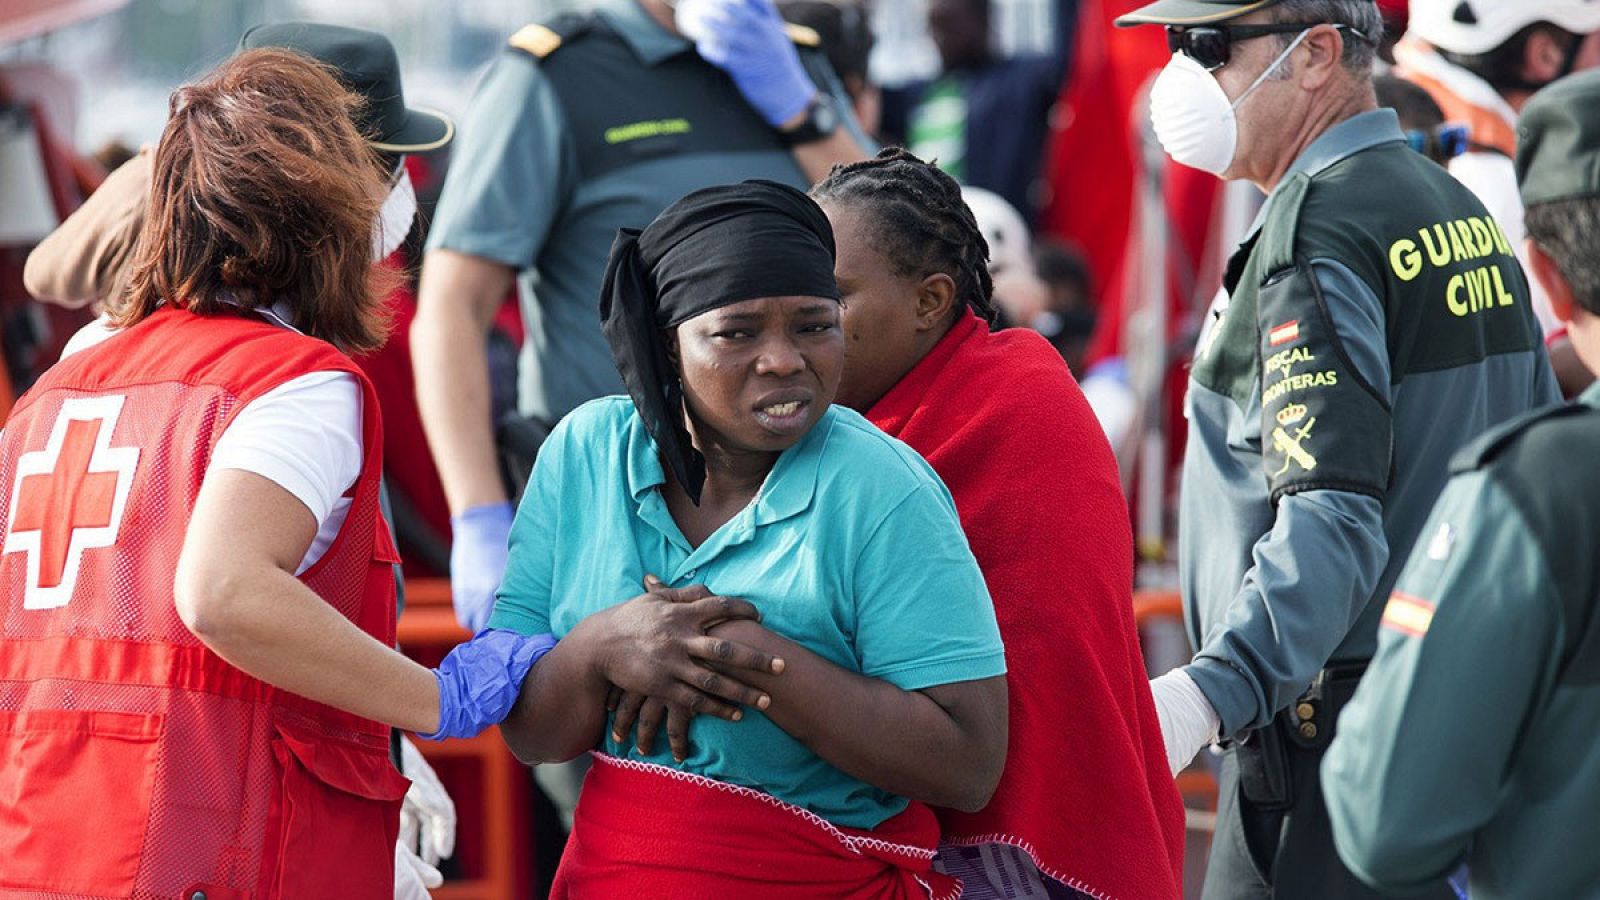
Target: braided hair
x: 920, y: 223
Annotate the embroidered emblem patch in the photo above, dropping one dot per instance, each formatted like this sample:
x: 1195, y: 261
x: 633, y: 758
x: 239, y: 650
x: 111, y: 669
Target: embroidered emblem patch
x: 1408, y: 615
x: 69, y: 498
x: 1284, y: 333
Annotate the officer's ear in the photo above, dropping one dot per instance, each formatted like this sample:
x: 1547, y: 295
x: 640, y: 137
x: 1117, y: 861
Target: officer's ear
x: 1324, y: 54
x: 1549, y: 275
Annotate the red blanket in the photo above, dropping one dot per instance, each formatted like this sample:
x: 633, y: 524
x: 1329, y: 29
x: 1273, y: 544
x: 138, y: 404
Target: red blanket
x: 643, y: 830
x: 1086, y: 790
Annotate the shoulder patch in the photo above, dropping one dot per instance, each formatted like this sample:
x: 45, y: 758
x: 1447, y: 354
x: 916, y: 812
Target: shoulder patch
x: 800, y: 34
x: 536, y: 41
x: 1483, y: 449
x: 539, y: 41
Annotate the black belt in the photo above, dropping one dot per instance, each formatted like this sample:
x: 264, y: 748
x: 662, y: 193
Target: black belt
x: 1265, y: 774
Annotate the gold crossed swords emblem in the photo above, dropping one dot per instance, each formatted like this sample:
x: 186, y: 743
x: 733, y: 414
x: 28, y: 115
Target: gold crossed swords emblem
x: 1291, y: 448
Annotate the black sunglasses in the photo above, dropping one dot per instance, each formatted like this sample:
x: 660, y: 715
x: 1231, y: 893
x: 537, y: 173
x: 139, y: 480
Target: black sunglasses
x: 1212, y: 45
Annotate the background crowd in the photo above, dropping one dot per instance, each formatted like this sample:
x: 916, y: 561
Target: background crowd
x: 1097, y: 240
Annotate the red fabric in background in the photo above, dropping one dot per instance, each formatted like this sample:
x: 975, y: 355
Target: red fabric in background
x: 643, y: 830
x: 1086, y: 789
x: 1092, y: 159
x: 1095, y: 164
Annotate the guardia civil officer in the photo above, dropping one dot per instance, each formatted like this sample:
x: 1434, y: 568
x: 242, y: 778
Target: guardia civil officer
x: 587, y: 124
x: 1473, y: 735
x: 1376, y: 321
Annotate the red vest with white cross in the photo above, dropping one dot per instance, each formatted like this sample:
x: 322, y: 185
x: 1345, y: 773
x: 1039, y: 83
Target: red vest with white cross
x: 134, y: 762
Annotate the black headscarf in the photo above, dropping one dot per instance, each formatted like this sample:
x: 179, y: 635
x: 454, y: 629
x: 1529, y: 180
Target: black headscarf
x: 714, y: 248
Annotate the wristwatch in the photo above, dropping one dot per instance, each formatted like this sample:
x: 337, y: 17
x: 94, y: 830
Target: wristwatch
x: 822, y: 120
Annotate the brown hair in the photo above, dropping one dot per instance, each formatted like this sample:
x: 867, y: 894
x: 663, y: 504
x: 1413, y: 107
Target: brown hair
x: 264, y: 191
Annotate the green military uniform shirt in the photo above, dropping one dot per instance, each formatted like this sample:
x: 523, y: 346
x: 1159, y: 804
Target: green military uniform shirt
x: 1476, y: 734
x: 1377, y: 322
x: 597, y: 122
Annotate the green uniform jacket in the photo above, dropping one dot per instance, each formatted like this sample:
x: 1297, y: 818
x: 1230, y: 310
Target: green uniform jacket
x: 1377, y: 323
x: 1476, y: 733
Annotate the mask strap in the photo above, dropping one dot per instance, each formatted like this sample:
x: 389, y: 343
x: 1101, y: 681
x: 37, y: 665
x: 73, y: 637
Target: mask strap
x: 1260, y: 79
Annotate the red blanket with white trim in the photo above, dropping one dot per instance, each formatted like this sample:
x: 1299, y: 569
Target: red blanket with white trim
x: 643, y: 830
x: 1086, y: 790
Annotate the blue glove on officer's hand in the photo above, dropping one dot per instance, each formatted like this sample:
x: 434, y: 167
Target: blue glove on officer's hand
x: 746, y: 39
x: 478, y: 561
x: 479, y: 680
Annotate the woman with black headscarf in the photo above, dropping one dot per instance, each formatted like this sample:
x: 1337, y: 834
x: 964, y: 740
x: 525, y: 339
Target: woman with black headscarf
x: 727, y: 471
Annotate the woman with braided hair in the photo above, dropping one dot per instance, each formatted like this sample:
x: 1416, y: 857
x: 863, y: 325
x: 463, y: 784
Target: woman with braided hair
x: 1086, y: 798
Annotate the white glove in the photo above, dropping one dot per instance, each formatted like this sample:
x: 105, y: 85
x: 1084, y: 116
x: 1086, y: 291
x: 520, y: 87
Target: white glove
x: 427, y: 817
x: 412, y: 876
x: 1187, y: 720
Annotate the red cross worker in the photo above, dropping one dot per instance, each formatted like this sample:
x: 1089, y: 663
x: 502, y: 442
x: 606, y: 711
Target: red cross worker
x: 198, y: 588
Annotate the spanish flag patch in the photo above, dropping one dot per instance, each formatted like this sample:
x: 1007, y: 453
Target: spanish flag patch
x: 1284, y: 333
x: 1407, y: 614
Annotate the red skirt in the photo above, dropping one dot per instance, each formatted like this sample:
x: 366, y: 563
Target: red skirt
x: 647, y: 830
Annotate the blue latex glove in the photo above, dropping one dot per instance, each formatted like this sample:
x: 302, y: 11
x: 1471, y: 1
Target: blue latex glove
x: 478, y: 561
x: 480, y: 680
x: 746, y: 39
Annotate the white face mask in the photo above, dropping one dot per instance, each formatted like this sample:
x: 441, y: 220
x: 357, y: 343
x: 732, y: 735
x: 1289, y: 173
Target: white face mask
x: 1193, y: 118
x: 395, y: 218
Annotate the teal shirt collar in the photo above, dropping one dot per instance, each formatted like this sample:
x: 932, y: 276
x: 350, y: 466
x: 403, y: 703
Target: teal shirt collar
x: 1344, y: 140
x: 787, y: 491
x: 643, y: 34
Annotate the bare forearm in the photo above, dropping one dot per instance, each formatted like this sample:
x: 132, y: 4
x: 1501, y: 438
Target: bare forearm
x: 453, y: 400
x: 903, y: 742
x: 274, y: 628
x: 818, y: 158
x: 448, y: 340
x: 561, y: 712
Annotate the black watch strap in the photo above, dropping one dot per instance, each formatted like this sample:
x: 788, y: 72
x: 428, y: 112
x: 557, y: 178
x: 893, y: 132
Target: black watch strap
x: 821, y: 121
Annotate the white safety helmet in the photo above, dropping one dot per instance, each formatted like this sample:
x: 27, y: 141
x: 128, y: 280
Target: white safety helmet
x: 1471, y: 27
x: 1010, y: 247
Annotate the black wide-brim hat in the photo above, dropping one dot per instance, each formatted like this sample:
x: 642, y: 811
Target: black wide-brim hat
x: 366, y: 63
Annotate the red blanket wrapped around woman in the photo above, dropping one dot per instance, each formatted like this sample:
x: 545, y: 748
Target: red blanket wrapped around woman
x: 644, y: 830
x: 1086, y: 791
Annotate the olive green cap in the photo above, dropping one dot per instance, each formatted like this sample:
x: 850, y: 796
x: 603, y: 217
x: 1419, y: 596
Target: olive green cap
x: 1558, y: 141
x: 1192, y: 12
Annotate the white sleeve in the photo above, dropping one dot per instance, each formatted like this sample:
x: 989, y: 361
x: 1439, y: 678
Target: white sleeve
x: 304, y: 436
x: 89, y: 335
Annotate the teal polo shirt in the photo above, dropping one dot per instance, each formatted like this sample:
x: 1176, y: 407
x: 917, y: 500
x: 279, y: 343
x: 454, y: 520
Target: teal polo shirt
x: 557, y: 153
x: 851, y: 548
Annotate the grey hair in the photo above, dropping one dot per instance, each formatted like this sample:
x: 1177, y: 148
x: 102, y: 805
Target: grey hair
x: 1361, y: 16
x: 1568, y: 231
